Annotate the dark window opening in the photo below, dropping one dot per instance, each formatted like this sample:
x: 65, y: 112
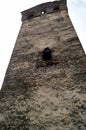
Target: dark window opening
x: 46, y: 54
x: 30, y: 16
x: 43, y: 12
x: 56, y: 8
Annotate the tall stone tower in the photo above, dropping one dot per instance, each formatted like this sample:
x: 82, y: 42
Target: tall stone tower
x: 45, y: 83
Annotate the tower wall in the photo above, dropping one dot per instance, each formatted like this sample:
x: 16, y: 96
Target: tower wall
x: 39, y: 94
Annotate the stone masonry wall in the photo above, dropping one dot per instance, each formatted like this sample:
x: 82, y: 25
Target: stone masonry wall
x: 40, y: 95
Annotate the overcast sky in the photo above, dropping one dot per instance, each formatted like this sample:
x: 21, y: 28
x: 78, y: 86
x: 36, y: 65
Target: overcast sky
x: 10, y: 22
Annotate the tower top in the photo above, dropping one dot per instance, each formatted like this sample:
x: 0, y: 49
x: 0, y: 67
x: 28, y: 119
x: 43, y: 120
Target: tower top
x: 44, y: 8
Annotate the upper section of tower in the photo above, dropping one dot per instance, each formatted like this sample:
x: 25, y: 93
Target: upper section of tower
x: 44, y: 8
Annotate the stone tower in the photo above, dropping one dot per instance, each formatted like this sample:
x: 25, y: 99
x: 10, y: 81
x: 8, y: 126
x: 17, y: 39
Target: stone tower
x: 45, y: 83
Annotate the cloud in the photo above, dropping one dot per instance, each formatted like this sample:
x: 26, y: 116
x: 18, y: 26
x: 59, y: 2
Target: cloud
x: 84, y: 1
x: 73, y: 1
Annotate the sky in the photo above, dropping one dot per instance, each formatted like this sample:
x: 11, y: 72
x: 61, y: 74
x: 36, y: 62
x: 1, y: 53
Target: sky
x: 10, y: 23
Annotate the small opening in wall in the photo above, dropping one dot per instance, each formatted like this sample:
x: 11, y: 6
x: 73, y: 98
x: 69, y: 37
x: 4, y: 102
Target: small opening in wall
x: 47, y: 54
x: 43, y: 12
x: 30, y: 16
x: 56, y: 8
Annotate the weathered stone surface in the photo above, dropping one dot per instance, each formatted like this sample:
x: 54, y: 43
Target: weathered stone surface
x: 42, y: 95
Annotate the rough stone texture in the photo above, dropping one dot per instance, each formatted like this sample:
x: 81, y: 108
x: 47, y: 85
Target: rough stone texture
x: 39, y: 95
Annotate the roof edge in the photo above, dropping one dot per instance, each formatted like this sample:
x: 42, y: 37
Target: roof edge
x: 48, y: 7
